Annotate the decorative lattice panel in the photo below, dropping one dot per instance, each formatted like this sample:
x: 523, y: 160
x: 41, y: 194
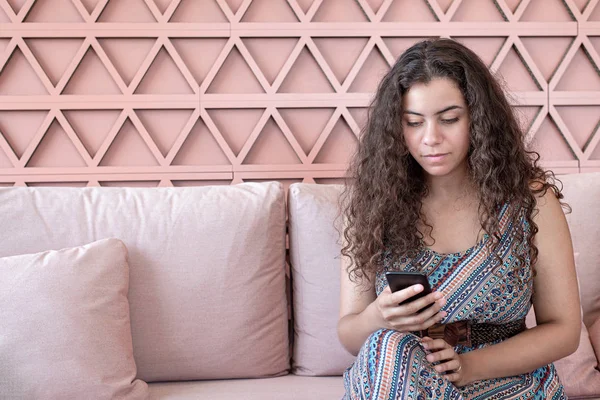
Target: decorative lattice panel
x: 181, y: 92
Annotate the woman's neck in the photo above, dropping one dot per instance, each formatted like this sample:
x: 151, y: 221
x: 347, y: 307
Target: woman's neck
x: 451, y: 187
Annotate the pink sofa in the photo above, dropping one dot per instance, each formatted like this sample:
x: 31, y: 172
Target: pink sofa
x: 206, y: 289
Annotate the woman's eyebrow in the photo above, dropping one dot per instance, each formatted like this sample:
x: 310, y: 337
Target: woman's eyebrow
x: 437, y: 113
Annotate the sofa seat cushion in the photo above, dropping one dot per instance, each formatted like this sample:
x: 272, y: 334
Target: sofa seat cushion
x: 289, y: 387
x: 207, y: 268
x: 64, y: 325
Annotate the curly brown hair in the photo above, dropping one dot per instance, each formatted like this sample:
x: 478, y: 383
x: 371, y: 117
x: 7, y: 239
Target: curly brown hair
x: 382, y: 199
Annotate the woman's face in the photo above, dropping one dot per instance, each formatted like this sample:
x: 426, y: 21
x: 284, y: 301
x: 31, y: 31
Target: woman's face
x: 435, y: 122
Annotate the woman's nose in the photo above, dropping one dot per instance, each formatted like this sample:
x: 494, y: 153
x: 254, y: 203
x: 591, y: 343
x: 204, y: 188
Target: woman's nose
x: 432, y: 135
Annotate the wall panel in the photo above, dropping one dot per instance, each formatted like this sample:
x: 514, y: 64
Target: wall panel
x: 190, y: 92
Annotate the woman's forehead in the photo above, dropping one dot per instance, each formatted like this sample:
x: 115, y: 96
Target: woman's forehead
x: 432, y: 97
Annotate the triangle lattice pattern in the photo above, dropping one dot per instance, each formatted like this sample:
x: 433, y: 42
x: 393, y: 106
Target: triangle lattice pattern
x: 263, y: 89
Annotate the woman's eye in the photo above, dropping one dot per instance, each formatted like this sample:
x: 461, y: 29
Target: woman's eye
x: 413, y: 124
x: 449, y: 121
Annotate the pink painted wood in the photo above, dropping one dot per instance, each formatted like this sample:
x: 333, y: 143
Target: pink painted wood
x: 187, y: 92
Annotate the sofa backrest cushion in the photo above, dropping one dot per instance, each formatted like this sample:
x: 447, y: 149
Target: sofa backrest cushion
x: 207, y: 268
x: 315, y: 249
x: 578, y: 372
x: 594, y: 331
x: 315, y: 262
x: 582, y: 193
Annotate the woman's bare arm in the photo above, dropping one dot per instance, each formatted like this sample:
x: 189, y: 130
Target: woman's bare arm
x: 356, y: 323
x: 556, y: 304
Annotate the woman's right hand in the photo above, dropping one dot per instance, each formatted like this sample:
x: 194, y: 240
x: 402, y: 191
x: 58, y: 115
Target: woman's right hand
x: 410, y: 316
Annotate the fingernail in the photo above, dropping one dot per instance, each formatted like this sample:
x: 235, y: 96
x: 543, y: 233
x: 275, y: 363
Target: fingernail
x: 425, y: 346
x: 418, y: 288
x: 429, y: 358
x: 438, y: 369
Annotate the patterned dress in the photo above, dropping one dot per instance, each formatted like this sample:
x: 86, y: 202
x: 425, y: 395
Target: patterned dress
x: 477, y: 287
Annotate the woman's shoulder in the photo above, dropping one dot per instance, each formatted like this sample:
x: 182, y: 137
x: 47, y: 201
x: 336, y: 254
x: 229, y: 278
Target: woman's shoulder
x: 546, y: 197
x: 548, y: 208
x: 547, y: 205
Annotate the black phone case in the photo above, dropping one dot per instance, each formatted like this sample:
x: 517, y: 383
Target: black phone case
x: 401, y: 280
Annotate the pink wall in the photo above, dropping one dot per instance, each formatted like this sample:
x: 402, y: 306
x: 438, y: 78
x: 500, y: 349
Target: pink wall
x: 186, y: 92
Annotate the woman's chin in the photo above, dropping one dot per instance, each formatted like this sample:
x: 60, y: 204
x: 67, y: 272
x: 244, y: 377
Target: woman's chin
x: 440, y: 170
x: 446, y: 173
x: 444, y: 169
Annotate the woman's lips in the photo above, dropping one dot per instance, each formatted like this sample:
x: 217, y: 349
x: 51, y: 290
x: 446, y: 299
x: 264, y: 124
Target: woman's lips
x: 436, y: 157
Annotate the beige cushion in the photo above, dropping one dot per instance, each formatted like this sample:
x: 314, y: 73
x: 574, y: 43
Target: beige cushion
x: 315, y: 266
x: 289, y: 387
x: 582, y: 193
x: 578, y: 372
x: 207, y: 267
x: 594, y: 331
x: 64, y: 330
x: 314, y: 252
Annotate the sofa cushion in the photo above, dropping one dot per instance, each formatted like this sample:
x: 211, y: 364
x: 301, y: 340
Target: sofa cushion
x: 315, y: 262
x: 289, y: 387
x: 207, y: 268
x: 582, y: 192
x: 65, y: 330
x: 594, y: 331
x: 314, y: 250
x: 578, y: 372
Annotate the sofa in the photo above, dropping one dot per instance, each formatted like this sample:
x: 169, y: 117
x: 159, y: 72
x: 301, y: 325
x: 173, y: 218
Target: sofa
x: 216, y: 292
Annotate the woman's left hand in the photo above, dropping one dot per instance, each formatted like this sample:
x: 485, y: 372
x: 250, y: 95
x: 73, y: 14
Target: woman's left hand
x: 448, y: 362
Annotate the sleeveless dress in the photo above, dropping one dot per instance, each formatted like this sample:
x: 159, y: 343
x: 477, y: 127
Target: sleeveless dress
x: 477, y: 287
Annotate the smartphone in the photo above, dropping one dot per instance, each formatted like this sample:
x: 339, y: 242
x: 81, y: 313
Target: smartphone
x: 401, y: 280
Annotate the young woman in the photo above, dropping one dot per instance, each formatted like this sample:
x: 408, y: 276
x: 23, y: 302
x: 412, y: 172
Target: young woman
x: 442, y: 184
